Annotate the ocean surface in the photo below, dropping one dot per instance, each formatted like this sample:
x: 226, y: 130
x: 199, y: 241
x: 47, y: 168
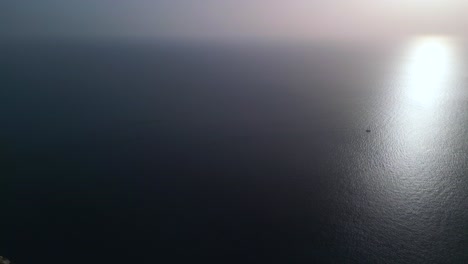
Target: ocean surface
x: 216, y: 153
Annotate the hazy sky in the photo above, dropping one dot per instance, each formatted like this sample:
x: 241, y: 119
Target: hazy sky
x: 201, y: 19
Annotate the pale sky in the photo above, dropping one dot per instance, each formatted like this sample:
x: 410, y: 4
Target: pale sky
x: 231, y: 19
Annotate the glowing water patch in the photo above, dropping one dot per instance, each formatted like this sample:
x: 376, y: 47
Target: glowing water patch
x: 429, y: 69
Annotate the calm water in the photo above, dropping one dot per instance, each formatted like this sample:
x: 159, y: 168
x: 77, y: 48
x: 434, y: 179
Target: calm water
x: 155, y: 153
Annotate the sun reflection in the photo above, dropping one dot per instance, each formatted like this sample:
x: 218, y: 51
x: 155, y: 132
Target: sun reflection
x: 414, y: 160
x: 417, y: 139
x: 428, y: 71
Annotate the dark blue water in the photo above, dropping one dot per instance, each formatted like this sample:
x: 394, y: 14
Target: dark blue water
x: 164, y: 153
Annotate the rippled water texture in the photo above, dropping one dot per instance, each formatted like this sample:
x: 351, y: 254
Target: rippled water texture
x: 160, y: 153
x: 410, y: 171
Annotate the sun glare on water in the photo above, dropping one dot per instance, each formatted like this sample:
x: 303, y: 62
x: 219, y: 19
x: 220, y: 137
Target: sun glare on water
x: 429, y: 69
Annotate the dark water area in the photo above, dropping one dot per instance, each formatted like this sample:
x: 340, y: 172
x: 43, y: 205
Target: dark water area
x: 158, y: 153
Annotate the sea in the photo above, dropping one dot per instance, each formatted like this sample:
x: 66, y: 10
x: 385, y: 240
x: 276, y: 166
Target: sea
x: 194, y: 152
